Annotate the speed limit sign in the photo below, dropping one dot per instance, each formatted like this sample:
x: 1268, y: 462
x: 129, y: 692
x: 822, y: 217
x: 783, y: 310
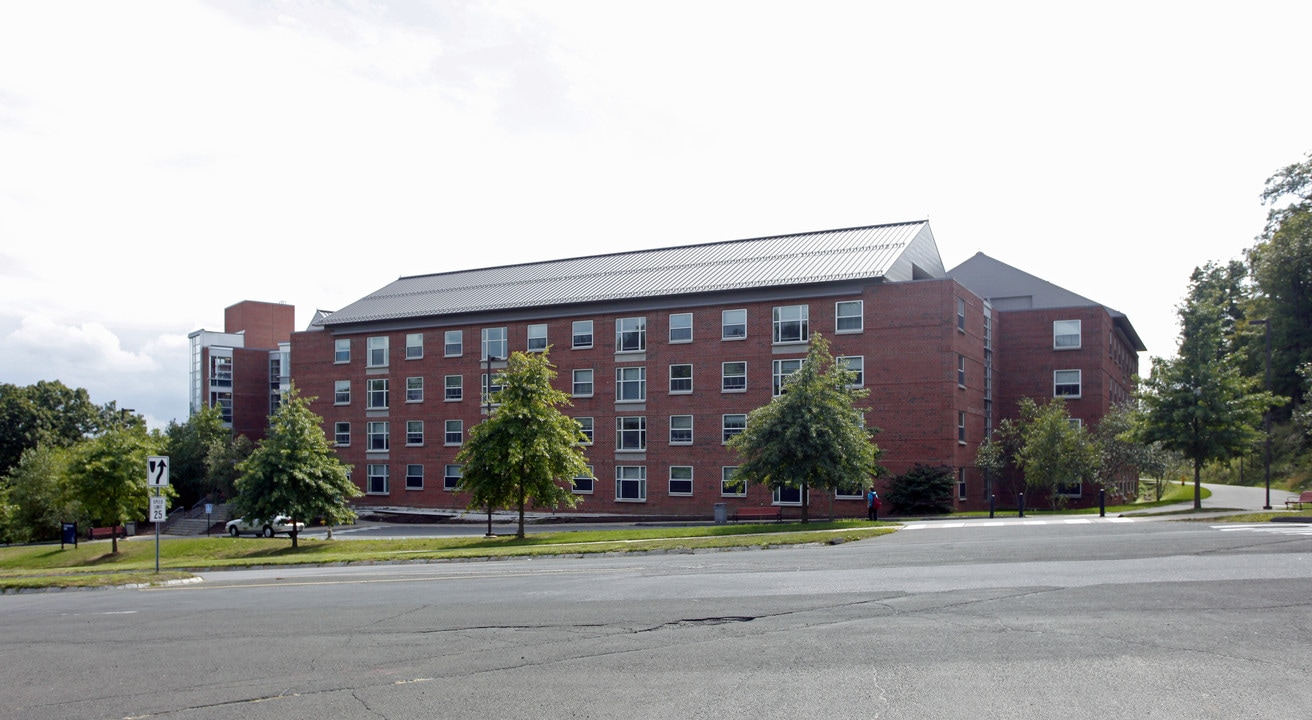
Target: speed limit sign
x: 158, y: 511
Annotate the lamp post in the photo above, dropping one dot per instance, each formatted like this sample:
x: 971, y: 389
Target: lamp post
x: 1266, y: 414
x: 487, y: 413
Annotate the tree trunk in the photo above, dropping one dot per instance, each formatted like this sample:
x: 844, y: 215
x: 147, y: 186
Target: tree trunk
x: 805, y: 504
x: 520, y: 532
x: 113, y: 539
x: 1198, y: 484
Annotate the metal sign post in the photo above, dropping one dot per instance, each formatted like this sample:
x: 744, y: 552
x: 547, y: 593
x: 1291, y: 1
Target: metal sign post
x: 157, y: 478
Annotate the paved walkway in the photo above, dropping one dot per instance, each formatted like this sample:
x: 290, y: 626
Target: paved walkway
x: 1231, y: 497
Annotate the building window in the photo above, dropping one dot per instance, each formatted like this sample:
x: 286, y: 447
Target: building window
x: 376, y: 395
x: 733, y: 425
x: 582, y: 334
x: 414, y: 389
x: 585, y: 483
x: 537, y: 338
x: 1066, y: 383
x: 1065, y: 334
x: 582, y: 385
x: 220, y: 371
x: 631, y: 334
x: 733, y: 376
x: 961, y: 371
x: 414, y: 346
x: 630, y: 384
x: 377, y: 479
x: 781, y: 370
x: 849, y: 316
x: 455, y: 432
x: 377, y: 436
x: 680, y: 479
x: 961, y: 428
x: 680, y: 429
x: 853, y: 491
x: 787, y: 496
x: 631, y: 433
x: 490, y: 389
x: 342, y: 434
x: 495, y: 344
x: 791, y: 324
x: 961, y: 315
x: 733, y: 324
x: 586, y: 427
x: 451, y: 477
x: 342, y: 392
x: 377, y: 351
x: 729, y: 487
x: 454, y: 343
x: 681, y: 327
x: 342, y: 350
x: 414, y: 432
x: 631, y: 483
x: 680, y: 379
x: 961, y: 483
x: 414, y: 477
x: 454, y: 388
x: 855, y: 364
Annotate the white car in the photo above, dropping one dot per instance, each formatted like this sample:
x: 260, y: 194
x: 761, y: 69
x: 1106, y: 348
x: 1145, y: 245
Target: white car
x: 281, y: 524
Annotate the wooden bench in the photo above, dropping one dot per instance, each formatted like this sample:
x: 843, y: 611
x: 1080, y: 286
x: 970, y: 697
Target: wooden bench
x: 758, y: 513
x: 100, y: 533
x: 1304, y: 498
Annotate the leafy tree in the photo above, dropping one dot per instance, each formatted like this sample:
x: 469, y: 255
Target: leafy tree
x: 923, y: 490
x: 47, y: 412
x: 189, y: 447
x: 38, y: 493
x: 107, y: 474
x: 1052, y: 451
x: 527, y: 449
x: 294, y: 471
x: 222, y: 461
x: 812, y: 435
x: 1119, y: 451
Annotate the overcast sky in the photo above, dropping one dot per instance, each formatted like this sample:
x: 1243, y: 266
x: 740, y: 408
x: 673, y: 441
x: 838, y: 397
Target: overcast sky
x: 160, y: 161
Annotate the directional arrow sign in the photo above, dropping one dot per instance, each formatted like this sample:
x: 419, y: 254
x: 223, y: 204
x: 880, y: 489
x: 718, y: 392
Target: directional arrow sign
x: 157, y: 470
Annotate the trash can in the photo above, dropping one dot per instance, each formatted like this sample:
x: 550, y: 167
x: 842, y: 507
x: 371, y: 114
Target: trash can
x: 721, y: 513
x: 131, y: 527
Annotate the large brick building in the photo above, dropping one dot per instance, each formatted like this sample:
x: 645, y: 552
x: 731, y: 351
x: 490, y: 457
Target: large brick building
x: 243, y: 370
x: 666, y: 351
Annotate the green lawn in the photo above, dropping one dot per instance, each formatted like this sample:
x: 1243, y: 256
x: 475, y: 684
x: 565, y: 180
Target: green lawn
x: 92, y: 564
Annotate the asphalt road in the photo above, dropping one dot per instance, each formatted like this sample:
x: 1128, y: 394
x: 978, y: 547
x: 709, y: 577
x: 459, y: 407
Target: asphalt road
x: 1059, y: 618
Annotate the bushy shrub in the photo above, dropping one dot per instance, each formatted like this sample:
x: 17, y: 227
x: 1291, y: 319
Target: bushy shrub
x: 923, y: 490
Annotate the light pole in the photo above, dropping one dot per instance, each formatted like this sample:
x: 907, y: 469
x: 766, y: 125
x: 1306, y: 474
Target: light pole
x: 1266, y: 414
x: 487, y: 415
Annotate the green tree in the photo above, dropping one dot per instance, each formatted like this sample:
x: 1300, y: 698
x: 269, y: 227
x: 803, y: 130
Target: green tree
x: 222, y: 461
x: 38, y: 493
x: 189, y: 447
x: 294, y: 471
x: 107, y: 475
x: 1120, y: 454
x: 812, y: 435
x: 47, y: 412
x: 527, y: 449
x: 1053, y: 452
x: 922, y: 490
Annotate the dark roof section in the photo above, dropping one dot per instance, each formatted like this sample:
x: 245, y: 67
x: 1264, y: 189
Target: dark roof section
x: 1007, y: 288
x: 900, y: 251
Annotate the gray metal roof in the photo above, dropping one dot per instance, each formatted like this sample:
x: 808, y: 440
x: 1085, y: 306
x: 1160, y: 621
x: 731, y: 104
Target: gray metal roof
x: 877, y: 251
x: 1008, y: 288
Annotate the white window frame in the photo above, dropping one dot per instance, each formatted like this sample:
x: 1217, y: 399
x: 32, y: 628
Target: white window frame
x: 451, y: 474
x: 961, y: 315
x: 414, y: 433
x: 681, y: 470
x: 631, y: 335
x: 725, y: 377
x: 414, y: 346
x: 378, y: 472
x: 738, y: 428
x: 731, y: 327
x: 681, y: 390
x: 847, y: 311
x: 581, y: 339
x: 413, y: 472
x: 342, y: 392
x: 630, y: 383
x: 341, y: 351
x: 377, y: 434
x: 587, y: 426
x: 453, y: 343
x: 684, y: 328
x: 341, y: 434
x: 495, y: 340
x: 777, y: 496
x: 414, y: 389
x: 679, y: 426
x: 1078, y: 383
x: 458, y: 433
x: 537, y: 337
x: 378, y: 350
x: 631, y: 433
x: 961, y: 427
x: 1062, y: 333
x: 378, y: 394
x: 726, y: 484
x: 791, y: 324
x: 588, y: 484
x: 453, y: 393
x: 777, y: 375
x: 583, y: 388
x: 856, y: 364
x: 639, y: 478
x: 961, y: 370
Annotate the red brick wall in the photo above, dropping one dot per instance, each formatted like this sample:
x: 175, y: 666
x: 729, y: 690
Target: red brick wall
x: 265, y: 324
